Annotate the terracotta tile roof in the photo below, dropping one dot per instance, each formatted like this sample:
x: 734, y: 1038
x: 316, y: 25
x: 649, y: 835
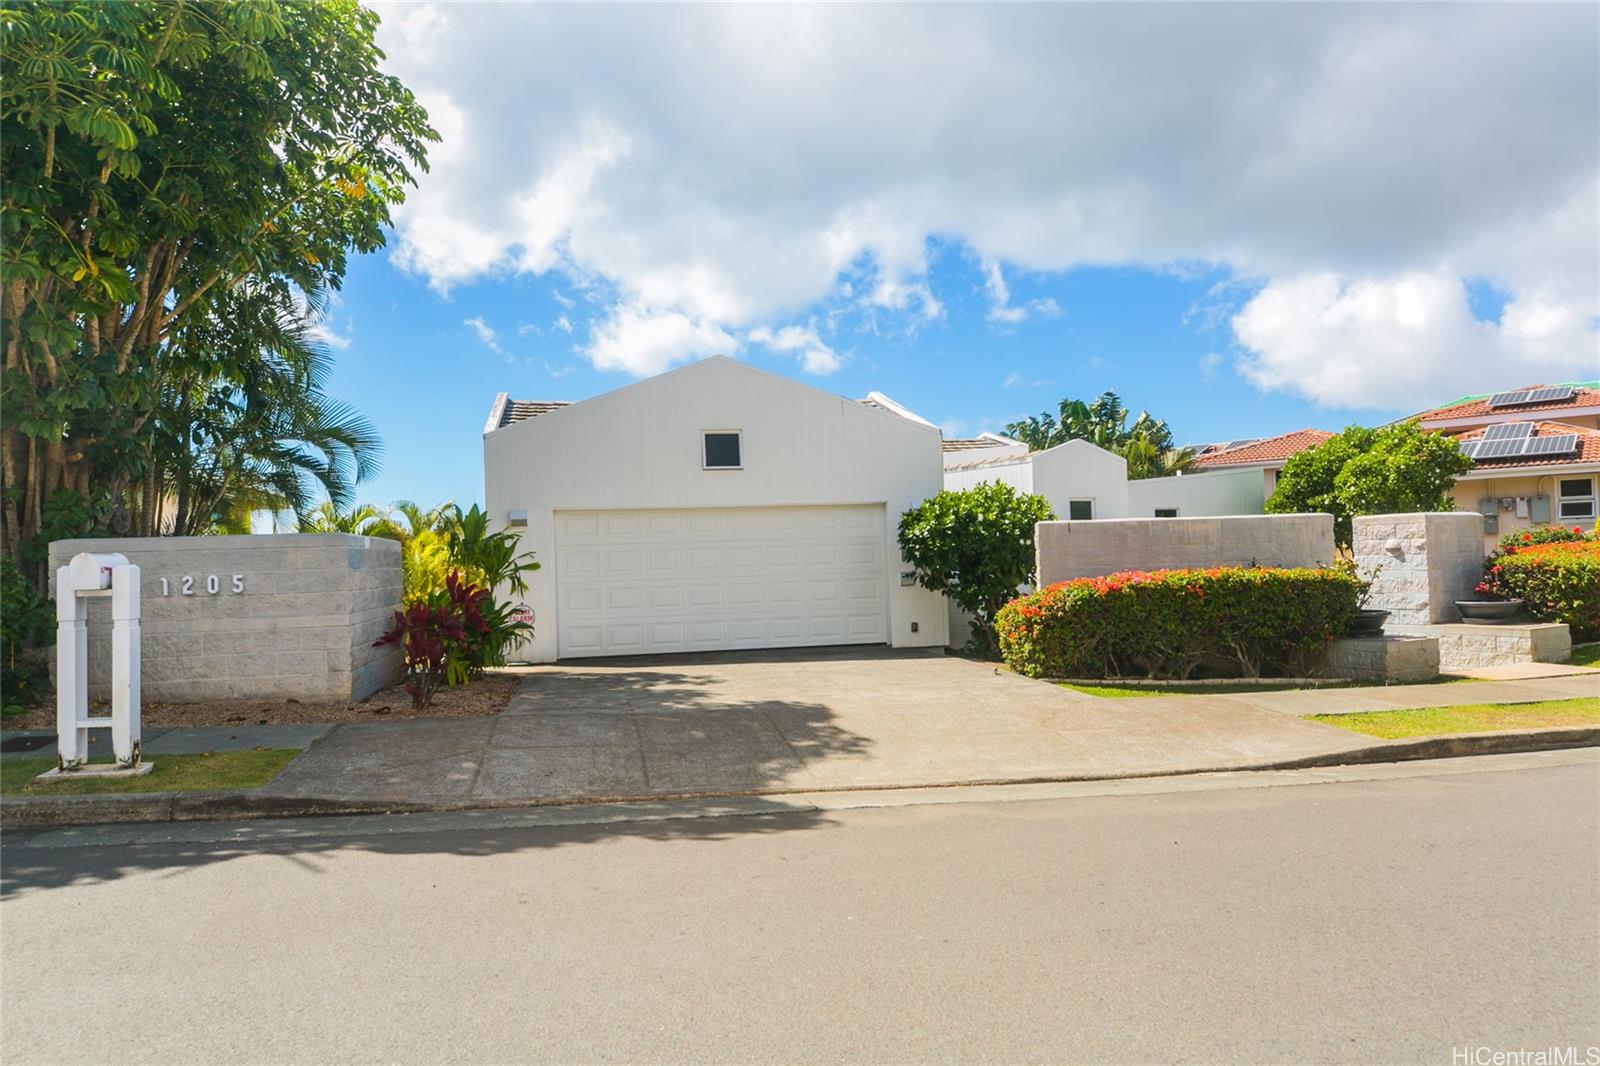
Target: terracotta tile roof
x: 1478, y: 406
x: 1266, y: 450
x: 1588, y: 447
x: 520, y: 410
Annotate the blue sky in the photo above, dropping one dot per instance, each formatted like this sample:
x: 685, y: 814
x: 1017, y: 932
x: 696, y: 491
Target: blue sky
x: 427, y: 378
x: 1244, y: 218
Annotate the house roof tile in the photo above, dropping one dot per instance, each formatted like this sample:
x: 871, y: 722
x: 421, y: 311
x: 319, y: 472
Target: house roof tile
x: 1265, y: 450
x: 1584, y: 395
x: 1588, y: 447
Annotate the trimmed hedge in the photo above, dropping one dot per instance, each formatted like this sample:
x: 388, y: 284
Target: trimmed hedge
x: 1166, y: 623
x: 1559, y: 580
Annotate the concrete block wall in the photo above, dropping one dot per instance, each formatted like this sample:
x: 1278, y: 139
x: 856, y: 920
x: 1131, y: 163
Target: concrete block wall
x: 1463, y: 646
x: 303, y: 625
x: 1094, y: 548
x: 1423, y: 562
x: 1392, y: 659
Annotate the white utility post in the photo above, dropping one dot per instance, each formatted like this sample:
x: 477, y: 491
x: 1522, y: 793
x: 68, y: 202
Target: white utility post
x: 86, y: 577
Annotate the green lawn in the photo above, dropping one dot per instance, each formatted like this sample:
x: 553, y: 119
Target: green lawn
x: 173, y: 773
x: 1470, y: 718
x: 1587, y: 655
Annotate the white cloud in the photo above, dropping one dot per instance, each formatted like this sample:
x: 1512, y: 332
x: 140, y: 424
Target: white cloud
x: 814, y: 355
x: 641, y: 341
x: 487, y: 336
x: 563, y: 323
x: 1408, y: 340
x: 528, y: 329
x: 1210, y: 363
x: 1000, y: 309
x: 1370, y: 143
x: 562, y: 298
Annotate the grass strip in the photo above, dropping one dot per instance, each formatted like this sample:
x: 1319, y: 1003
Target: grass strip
x: 1469, y: 718
x: 173, y: 773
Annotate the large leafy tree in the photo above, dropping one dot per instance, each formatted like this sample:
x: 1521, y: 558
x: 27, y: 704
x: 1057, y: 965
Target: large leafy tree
x: 1146, y: 444
x: 975, y: 546
x: 158, y: 156
x: 1390, y: 470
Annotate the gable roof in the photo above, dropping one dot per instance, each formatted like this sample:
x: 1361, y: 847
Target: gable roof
x: 1265, y: 450
x: 1585, y: 394
x: 506, y: 411
x: 1588, y: 450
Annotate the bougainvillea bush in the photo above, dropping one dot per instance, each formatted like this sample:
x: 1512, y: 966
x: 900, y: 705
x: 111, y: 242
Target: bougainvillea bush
x: 1167, y: 623
x: 1558, y: 580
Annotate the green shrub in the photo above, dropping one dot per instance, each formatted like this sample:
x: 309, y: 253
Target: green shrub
x: 1521, y: 538
x: 1166, y: 623
x: 1558, y: 580
x: 27, y: 629
x: 975, y: 546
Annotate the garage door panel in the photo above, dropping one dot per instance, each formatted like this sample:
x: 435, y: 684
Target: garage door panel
x: 649, y: 581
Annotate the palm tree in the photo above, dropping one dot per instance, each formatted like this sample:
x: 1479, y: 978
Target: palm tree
x: 365, y: 520
x: 244, y: 424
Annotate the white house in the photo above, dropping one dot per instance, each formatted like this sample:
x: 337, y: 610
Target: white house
x: 1079, y: 479
x: 1209, y: 492
x: 715, y: 506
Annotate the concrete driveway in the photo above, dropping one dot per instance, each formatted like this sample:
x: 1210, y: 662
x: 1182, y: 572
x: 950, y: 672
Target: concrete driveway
x: 830, y: 719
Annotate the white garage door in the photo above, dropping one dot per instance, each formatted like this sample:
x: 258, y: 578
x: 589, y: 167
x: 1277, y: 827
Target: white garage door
x: 636, y: 582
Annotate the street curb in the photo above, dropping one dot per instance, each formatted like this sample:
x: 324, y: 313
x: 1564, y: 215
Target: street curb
x: 26, y: 811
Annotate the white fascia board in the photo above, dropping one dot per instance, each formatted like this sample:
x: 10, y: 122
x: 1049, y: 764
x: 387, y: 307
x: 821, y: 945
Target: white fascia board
x: 908, y: 415
x: 497, y: 411
x: 1544, y: 470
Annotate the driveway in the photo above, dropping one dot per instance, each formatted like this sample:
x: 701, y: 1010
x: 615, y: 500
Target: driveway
x: 813, y: 720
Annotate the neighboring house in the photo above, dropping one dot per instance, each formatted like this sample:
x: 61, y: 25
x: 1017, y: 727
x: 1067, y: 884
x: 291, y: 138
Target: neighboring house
x: 1263, y: 454
x: 715, y: 506
x: 1207, y: 493
x: 1079, y: 479
x: 959, y: 451
x: 1536, y: 453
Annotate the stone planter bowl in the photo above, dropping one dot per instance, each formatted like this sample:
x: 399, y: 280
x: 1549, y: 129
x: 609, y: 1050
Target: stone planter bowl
x: 1368, y: 622
x: 1489, y: 612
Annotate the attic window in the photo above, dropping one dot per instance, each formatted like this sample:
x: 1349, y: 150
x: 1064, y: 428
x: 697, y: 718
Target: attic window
x: 722, y: 450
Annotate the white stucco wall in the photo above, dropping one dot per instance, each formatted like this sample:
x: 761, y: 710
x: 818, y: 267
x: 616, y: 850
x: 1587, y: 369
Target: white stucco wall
x: 640, y: 447
x: 1018, y: 474
x: 1066, y: 550
x: 1076, y: 470
x: 1218, y: 492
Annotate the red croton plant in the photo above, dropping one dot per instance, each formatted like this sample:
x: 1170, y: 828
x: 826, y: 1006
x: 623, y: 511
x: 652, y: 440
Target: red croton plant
x: 440, y: 637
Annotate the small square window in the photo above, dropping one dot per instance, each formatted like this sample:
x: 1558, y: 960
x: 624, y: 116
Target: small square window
x: 1079, y: 510
x: 722, y: 451
x: 1166, y: 512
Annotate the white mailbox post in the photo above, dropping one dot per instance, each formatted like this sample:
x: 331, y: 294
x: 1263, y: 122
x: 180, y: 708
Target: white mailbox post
x: 89, y: 576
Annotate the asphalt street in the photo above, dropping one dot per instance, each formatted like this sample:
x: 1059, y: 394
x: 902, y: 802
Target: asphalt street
x: 1384, y: 916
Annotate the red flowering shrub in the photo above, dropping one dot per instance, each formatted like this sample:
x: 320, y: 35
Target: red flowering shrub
x: 445, y: 637
x: 1558, y: 580
x: 1520, y: 538
x: 1165, y: 623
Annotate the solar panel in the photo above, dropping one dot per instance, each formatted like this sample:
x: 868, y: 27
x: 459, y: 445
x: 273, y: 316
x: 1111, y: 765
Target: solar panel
x: 1470, y: 449
x: 1552, y: 394
x: 1498, y: 449
x: 1519, y: 397
x: 1509, y: 431
x: 1232, y: 444
x: 1560, y: 444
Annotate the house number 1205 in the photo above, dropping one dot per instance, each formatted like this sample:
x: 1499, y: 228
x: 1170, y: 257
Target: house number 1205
x: 213, y: 585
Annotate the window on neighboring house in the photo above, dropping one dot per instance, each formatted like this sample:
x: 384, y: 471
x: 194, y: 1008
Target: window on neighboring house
x: 1576, y: 497
x: 1166, y: 512
x: 1078, y: 510
x: 722, y: 451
